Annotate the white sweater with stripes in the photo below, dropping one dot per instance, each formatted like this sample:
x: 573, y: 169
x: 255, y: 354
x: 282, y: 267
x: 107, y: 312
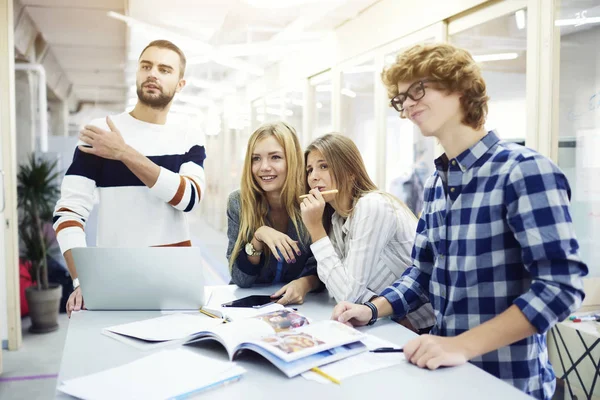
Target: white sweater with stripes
x: 130, y: 214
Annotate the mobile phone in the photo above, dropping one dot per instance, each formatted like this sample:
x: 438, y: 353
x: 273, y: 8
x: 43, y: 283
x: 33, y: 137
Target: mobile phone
x: 253, y: 301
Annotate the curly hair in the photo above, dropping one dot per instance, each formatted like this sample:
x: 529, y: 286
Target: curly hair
x: 450, y: 68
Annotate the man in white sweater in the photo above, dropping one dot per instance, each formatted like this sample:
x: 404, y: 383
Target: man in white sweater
x: 146, y: 172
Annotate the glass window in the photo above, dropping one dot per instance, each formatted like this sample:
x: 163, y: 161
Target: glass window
x: 258, y: 114
x: 500, y: 46
x: 320, y: 123
x: 274, y: 109
x: 579, y: 119
x: 357, y: 109
x: 409, y: 155
x: 293, y: 110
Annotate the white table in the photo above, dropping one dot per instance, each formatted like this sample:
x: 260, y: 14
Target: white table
x: 87, y: 351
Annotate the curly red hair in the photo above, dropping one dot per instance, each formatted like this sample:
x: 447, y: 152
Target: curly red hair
x: 450, y: 68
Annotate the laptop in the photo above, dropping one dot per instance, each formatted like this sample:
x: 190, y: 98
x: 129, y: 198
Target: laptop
x: 149, y: 278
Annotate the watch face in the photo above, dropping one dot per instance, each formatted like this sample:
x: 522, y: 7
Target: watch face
x: 249, y: 249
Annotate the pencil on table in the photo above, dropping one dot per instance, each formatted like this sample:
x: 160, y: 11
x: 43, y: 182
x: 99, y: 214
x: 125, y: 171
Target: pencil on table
x: 212, y: 315
x: 332, y: 191
x: 324, y: 375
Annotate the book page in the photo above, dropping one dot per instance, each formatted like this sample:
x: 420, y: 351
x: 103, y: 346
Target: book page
x: 293, y: 368
x: 283, y: 320
x: 162, y: 375
x: 233, y: 334
x: 306, y: 340
x: 167, y: 327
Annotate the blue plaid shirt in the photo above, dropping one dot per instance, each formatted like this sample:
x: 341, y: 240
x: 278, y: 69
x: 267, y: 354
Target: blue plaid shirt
x: 496, y: 231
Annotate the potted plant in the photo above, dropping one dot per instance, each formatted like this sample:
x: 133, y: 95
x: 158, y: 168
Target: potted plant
x: 37, y: 191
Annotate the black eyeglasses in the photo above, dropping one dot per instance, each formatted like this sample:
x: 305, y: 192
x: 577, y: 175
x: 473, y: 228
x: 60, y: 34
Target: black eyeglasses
x: 415, y: 92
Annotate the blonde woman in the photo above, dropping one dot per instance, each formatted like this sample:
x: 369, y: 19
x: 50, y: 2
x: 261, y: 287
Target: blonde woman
x: 362, y: 238
x: 267, y: 241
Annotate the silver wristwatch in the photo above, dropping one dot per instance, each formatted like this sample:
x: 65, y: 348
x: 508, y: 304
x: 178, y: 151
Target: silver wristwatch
x: 75, y: 283
x: 251, y: 251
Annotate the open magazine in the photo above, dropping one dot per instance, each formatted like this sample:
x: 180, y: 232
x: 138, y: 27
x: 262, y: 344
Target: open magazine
x: 284, y: 337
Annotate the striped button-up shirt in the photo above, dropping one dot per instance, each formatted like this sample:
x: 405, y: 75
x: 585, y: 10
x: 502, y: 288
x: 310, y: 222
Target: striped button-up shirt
x: 496, y: 231
x: 367, y: 251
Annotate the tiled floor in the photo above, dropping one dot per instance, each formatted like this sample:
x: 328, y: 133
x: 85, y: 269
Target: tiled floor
x: 30, y: 373
x: 33, y: 368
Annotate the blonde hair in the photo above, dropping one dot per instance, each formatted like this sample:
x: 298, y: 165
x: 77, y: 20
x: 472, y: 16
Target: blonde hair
x: 254, y: 205
x: 448, y: 67
x: 348, y: 170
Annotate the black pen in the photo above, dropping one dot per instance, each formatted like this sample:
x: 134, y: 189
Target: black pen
x: 387, y: 350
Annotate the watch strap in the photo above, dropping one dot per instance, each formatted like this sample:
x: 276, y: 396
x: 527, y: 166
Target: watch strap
x: 254, y: 251
x: 374, y: 313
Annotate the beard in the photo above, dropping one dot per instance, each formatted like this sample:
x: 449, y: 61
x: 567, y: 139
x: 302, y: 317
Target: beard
x: 158, y: 102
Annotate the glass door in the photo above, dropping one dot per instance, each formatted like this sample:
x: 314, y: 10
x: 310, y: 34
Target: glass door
x: 408, y: 154
x: 579, y: 120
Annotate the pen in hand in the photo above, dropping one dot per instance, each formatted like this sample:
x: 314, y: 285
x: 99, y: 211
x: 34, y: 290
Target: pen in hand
x: 332, y: 191
x: 387, y: 350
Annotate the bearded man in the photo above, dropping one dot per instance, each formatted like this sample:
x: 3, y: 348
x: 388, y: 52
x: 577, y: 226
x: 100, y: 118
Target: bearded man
x: 145, y: 172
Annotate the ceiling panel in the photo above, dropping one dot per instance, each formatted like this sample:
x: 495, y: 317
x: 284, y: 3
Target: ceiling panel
x: 93, y: 48
x: 90, y: 58
x: 90, y: 4
x: 86, y: 93
x: 110, y: 78
x: 90, y: 28
x: 198, y: 19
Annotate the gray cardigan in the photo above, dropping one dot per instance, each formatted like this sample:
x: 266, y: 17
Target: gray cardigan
x: 245, y: 274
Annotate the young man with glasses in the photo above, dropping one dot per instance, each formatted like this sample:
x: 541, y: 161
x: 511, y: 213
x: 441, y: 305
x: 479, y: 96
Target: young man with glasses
x: 495, y: 251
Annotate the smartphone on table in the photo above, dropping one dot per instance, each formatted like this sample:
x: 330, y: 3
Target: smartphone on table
x: 253, y: 301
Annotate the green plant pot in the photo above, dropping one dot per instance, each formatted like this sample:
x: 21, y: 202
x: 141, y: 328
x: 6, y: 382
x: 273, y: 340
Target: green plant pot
x: 43, y: 308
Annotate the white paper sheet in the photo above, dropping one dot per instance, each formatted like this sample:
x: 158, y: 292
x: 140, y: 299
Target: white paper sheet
x: 163, y: 375
x: 361, y: 363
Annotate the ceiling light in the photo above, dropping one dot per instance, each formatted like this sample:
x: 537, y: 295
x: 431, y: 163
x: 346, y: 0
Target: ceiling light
x: 319, y: 104
x: 577, y: 21
x: 348, y: 92
x: 495, y: 57
x: 520, y: 19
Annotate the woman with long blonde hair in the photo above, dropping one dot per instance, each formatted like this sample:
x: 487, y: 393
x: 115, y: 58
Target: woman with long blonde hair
x: 362, y: 237
x: 268, y: 242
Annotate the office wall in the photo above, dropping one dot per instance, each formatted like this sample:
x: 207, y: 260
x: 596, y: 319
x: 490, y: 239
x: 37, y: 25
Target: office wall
x: 579, y: 136
x: 388, y: 20
x: 378, y: 25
